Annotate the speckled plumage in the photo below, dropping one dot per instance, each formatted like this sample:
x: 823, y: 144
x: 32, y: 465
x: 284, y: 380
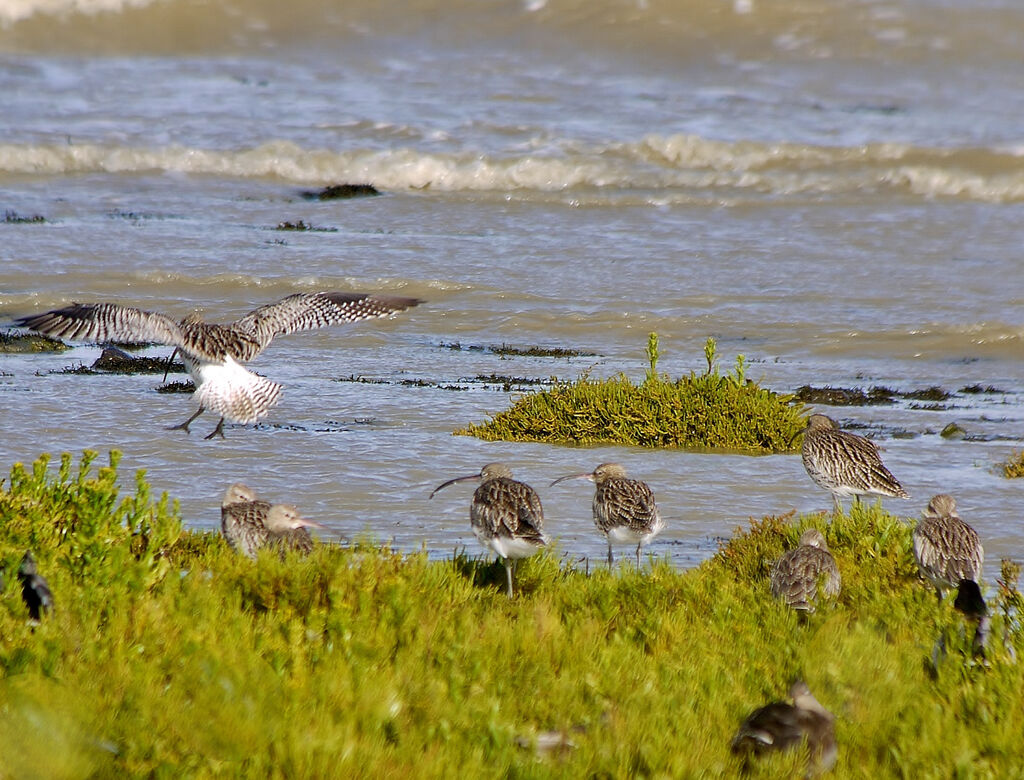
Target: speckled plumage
x: 624, y: 509
x: 249, y: 524
x: 845, y: 464
x: 35, y: 590
x: 799, y: 575
x: 212, y: 353
x: 505, y: 515
x: 947, y: 549
x: 784, y: 726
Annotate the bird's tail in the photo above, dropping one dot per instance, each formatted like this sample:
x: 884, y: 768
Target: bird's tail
x: 236, y: 393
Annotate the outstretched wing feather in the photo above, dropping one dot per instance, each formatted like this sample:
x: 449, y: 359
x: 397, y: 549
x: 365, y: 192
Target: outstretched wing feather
x: 103, y: 322
x: 305, y: 311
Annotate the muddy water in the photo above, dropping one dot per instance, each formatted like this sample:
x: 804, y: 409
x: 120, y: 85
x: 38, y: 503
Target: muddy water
x: 839, y: 202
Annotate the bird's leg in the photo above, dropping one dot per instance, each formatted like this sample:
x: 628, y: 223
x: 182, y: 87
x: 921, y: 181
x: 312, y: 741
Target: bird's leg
x: 838, y: 504
x: 638, y: 556
x: 611, y: 558
x: 218, y: 431
x: 170, y: 362
x: 509, y: 566
x: 184, y: 425
x: 981, y: 636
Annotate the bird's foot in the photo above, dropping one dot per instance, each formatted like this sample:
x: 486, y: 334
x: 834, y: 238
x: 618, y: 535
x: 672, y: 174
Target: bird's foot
x: 184, y: 426
x: 218, y: 431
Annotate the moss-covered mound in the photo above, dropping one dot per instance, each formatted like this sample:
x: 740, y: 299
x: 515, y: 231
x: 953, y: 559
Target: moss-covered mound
x: 1014, y: 466
x: 709, y: 410
x: 14, y: 342
x: 168, y: 655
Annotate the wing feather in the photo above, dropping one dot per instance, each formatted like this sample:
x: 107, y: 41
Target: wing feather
x: 306, y: 311
x: 103, y: 322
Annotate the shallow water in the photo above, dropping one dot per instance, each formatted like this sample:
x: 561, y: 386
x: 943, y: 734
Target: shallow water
x: 834, y: 190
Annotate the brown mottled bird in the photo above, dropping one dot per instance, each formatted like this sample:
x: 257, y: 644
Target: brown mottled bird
x: 799, y: 574
x: 784, y: 726
x: 624, y: 509
x: 506, y: 515
x: 845, y: 464
x: 214, y: 354
x: 249, y: 524
x: 947, y: 549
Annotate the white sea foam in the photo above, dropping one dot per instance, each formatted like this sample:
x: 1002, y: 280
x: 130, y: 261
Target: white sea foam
x: 16, y: 10
x: 654, y: 164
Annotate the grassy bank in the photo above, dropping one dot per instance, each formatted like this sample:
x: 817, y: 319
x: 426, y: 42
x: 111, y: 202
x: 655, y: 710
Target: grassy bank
x: 167, y: 655
x: 710, y: 410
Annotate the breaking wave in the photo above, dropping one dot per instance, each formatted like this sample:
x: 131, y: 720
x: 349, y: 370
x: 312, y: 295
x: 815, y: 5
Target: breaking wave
x: 661, y: 168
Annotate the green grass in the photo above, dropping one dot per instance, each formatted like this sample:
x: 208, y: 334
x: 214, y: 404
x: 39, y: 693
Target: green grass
x: 707, y: 411
x: 1014, y: 466
x: 169, y: 656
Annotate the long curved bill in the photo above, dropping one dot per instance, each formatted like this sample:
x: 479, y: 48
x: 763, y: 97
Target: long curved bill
x: 588, y: 475
x: 793, y: 438
x: 302, y: 521
x: 170, y: 362
x: 453, y: 481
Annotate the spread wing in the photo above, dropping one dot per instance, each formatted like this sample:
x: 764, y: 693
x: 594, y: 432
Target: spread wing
x: 102, y: 322
x: 305, y: 311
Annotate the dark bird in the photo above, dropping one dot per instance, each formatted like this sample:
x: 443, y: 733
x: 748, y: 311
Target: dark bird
x: 35, y: 591
x: 214, y: 354
x: 784, y: 726
x: 947, y: 549
x: 971, y: 604
x: 624, y: 509
x: 506, y: 515
x: 799, y: 574
x: 845, y: 464
x: 249, y: 524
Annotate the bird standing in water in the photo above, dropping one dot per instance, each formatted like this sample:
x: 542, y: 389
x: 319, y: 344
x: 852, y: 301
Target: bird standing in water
x: 506, y: 516
x: 214, y: 354
x: 845, y: 464
x: 624, y: 509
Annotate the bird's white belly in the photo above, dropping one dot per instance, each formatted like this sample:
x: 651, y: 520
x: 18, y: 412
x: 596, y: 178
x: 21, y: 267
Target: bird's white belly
x: 509, y: 547
x: 233, y: 391
x: 622, y: 534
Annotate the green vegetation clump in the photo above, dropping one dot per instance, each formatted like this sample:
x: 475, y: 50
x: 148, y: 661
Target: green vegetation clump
x: 1014, y: 466
x: 30, y: 343
x: 168, y: 655
x: 708, y: 410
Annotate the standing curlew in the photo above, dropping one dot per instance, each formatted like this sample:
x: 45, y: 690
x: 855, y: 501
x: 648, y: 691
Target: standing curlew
x: 783, y: 726
x: 798, y: 574
x: 35, y: 590
x: 214, y: 353
x: 845, y: 464
x: 506, y: 515
x: 249, y: 524
x: 946, y: 548
x: 624, y: 509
